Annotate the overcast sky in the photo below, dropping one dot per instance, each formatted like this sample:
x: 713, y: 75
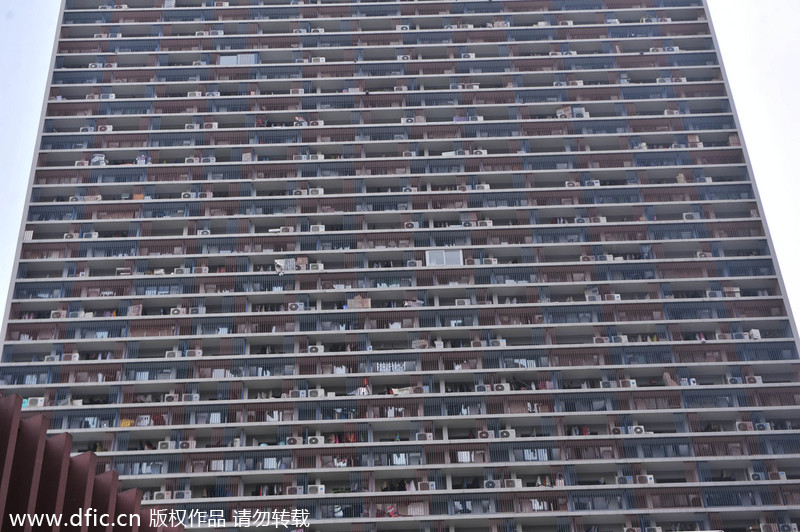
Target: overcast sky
x: 758, y: 38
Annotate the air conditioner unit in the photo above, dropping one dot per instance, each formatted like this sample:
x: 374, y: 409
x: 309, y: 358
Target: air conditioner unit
x: 508, y: 434
x: 426, y: 486
x: 402, y: 27
x: 472, y: 86
x: 755, y: 334
x: 58, y: 314
x: 165, y: 445
x: 480, y: 152
x: 294, y: 307
x: 462, y: 302
x: 663, y: 80
x: 216, y: 33
x: 204, y: 232
x: 192, y: 126
x: 612, y: 297
x: 187, y: 444
x: 456, y: 86
x: 483, y: 388
x: 317, y: 228
x: 317, y: 123
x: 316, y: 349
x: 162, y: 495
x: 502, y: 387
x: 173, y: 354
x: 581, y: 220
x: 490, y: 484
x: 208, y: 160
x: 212, y: 93
x: 407, y: 120
x: 468, y: 55
x: 96, y: 65
x: 723, y: 336
x: 410, y: 225
x: 317, y: 393
x: 691, y: 216
x: 740, y: 336
x: 627, y: 383
x: 424, y: 436
x: 512, y: 483
x: 580, y: 112
x: 317, y: 30
x: 734, y: 380
x: 753, y: 379
x: 484, y: 223
x: 636, y: 429
x: 297, y: 394
x: 576, y: 83
x: 755, y: 476
x: 191, y: 160
x: 286, y: 229
x: 197, y: 310
x: 475, y: 118
x: 101, y: 35
x: 294, y: 490
x: 182, y: 271
x: 619, y: 339
x: 414, y: 264
x: 210, y: 125
x: 317, y: 59
x: 300, y: 30
x: 177, y: 311
x: 316, y: 440
x: 404, y: 58
x: 194, y: 353
x: 183, y: 494
x: 593, y: 183
x: 498, y: 342
x: 594, y: 298
x: 86, y: 129
x: 672, y: 112
x: 645, y: 479
x: 316, y: 266
x: 316, y: 156
x: 316, y: 489
x: 602, y: 340
x: 170, y: 398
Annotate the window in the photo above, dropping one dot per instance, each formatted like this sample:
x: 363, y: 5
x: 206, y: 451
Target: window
x: 444, y: 257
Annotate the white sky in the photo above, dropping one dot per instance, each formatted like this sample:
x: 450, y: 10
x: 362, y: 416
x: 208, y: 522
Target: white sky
x: 758, y: 39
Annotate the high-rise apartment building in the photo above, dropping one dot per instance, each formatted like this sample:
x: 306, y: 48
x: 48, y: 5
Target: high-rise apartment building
x: 447, y: 266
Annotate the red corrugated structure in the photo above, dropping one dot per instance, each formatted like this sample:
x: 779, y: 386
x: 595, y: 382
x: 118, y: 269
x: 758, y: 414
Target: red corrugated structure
x: 38, y: 476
